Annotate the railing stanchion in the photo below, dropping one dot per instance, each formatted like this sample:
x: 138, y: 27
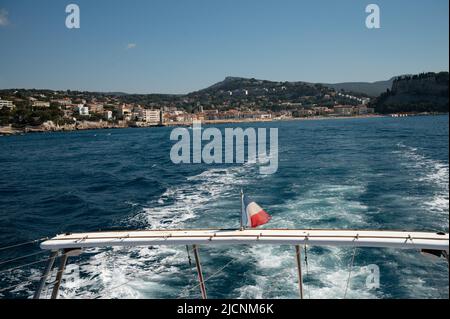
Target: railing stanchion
x: 199, y: 272
x: 59, y: 275
x: 299, y: 269
x: 44, y: 277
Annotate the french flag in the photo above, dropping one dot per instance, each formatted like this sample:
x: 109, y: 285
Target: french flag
x: 253, y: 214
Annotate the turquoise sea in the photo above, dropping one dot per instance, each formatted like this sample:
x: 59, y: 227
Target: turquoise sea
x: 375, y: 173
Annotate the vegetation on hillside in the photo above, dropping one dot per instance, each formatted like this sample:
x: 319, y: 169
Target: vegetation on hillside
x: 426, y: 92
x: 31, y: 116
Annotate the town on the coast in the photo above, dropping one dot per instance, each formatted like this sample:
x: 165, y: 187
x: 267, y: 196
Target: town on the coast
x: 232, y: 100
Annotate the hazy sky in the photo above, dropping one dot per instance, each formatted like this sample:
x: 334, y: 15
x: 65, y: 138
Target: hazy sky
x: 168, y: 46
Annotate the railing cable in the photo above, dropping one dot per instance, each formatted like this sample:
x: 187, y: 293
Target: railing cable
x: 22, y: 257
x: 307, y: 269
x: 22, y: 266
x: 26, y: 282
x: 208, y: 278
x: 351, y: 267
x: 23, y: 244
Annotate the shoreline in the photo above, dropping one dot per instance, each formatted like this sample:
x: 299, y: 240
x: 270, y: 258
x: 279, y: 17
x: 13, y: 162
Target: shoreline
x: 292, y: 119
x: 86, y: 125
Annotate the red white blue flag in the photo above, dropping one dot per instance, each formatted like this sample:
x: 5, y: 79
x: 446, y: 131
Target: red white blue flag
x: 253, y: 214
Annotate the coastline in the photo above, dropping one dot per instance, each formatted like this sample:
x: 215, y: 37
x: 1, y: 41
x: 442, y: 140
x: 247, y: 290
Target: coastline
x: 87, y: 125
x: 312, y: 118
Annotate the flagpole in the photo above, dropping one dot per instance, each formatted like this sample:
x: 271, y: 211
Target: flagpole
x: 242, y: 210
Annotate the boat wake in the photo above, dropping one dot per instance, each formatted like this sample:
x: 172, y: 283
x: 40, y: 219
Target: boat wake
x: 434, y: 174
x: 207, y: 200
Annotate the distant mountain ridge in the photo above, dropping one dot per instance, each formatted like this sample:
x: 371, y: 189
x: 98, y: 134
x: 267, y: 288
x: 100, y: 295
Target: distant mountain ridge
x: 372, y: 89
x: 414, y: 93
x: 232, y: 83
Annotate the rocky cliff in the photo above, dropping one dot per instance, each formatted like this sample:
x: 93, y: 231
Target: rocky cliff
x: 427, y: 92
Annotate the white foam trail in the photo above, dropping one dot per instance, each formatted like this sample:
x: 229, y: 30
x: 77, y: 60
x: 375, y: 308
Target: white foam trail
x: 324, y: 204
x: 431, y: 172
x: 271, y: 269
x: 276, y: 275
x: 109, y: 273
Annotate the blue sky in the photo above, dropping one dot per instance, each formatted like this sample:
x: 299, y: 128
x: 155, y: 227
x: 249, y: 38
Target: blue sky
x: 185, y: 45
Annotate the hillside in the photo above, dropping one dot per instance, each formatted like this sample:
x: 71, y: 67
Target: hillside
x: 372, y: 89
x: 426, y: 92
x: 254, y: 87
x: 237, y: 91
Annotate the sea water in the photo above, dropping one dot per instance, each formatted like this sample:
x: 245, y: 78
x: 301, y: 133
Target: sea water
x: 375, y: 173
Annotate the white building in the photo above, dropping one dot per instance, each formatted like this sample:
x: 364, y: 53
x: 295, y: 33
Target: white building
x: 41, y: 104
x: 125, y: 111
x: 362, y: 110
x: 7, y: 104
x: 365, y: 101
x: 63, y: 102
x: 108, y: 115
x: 149, y: 116
x: 344, y: 110
x: 83, y: 110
